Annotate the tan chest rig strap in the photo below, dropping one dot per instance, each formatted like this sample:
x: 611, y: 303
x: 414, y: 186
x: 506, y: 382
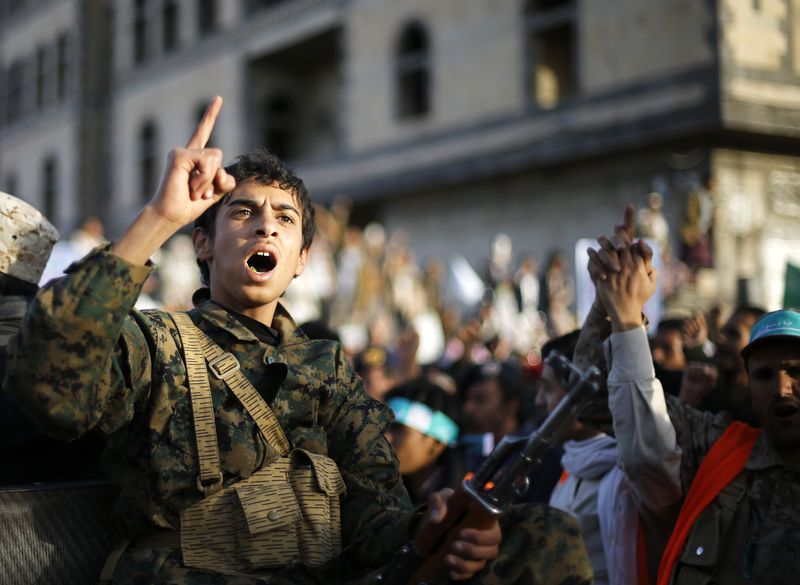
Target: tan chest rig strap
x: 286, y: 511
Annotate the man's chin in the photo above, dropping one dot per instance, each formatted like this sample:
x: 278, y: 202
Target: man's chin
x: 784, y: 434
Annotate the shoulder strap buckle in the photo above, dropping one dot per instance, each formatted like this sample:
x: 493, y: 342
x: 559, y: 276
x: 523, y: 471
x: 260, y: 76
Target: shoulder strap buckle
x: 210, y: 486
x: 224, y: 365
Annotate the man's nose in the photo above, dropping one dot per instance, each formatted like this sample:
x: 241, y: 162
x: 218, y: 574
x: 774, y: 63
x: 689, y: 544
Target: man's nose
x: 265, y: 224
x: 787, y: 385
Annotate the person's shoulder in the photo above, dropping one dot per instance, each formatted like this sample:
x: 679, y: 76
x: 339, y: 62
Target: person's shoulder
x: 560, y: 555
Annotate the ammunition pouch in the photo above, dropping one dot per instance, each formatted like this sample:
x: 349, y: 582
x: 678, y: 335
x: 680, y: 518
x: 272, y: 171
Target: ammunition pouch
x: 286, y: 511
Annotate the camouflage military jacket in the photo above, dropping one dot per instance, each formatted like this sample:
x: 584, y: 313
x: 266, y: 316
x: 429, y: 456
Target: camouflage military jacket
x: 85, y: 359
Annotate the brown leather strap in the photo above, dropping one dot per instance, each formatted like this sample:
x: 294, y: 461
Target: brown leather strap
x: 210, y: 480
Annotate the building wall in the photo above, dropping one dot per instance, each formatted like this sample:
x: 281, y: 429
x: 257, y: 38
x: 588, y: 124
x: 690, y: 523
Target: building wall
x: 760, y: 66
x: 540, y: 211
x: 175, y: 116
x: 477, y: 74
x: 757, y: 215
x: 24, y: 155
x: 52, y: 131
x: 627, y: 41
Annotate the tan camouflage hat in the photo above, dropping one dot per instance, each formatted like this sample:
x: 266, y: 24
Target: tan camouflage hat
x: 26, y: 239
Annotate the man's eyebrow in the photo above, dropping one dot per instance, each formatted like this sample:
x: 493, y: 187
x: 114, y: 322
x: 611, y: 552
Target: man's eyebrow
x: 246, y: 201
x: 286, y: 207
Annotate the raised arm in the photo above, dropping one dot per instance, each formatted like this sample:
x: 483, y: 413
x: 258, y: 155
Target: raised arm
x: 648, y: 451
x: 81, y: 359
x: 193, y: 181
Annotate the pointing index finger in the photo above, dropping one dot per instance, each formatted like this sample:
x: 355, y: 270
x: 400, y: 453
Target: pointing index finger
x: 206, y: 125
x: 629, y: 221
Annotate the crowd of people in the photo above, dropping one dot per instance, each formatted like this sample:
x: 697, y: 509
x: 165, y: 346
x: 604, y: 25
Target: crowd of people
x: 682, y: 469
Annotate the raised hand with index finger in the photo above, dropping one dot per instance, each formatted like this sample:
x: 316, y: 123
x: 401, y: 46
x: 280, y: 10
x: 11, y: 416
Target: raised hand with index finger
x: 193, y: 181
x: 607, y: 261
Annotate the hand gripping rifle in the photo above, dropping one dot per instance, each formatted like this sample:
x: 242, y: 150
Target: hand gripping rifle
x: 500, y: 480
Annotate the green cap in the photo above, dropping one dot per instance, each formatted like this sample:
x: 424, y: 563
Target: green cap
x: 783, y: 324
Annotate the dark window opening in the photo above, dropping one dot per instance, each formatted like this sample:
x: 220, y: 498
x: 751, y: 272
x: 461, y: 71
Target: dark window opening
x: 292, y: 97
x: 552, y: 50
x: 15, y: 89
x: 50, y: 188
x: 413, y: 72
x: 554, y: 66
x: 140, y: 32
x: 12, y: 185
x: 278, y: 112
x: 207, y: 16
x: 62, y: 66
x: 148, y: 160
x: 170, y: 23
x: 543, y: 5
x: 40, y: 77
x: 256, y: 5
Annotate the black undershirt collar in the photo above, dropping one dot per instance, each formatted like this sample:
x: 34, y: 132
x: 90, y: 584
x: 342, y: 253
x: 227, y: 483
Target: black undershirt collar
x: 264, y: 333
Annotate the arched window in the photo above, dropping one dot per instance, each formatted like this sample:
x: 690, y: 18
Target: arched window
x: 140, y: 52
x: 413, y: 72
x: 50, y: 187
x: 552, y: 48
x: 206, y: 16
x: 169, y: 23
x: 148, y: 159
x: 279, y: 111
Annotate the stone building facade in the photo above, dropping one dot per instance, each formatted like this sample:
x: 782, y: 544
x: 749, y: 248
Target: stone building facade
x: 452, y: 120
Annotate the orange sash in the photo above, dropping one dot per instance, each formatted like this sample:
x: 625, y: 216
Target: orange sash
x: 724, y: 461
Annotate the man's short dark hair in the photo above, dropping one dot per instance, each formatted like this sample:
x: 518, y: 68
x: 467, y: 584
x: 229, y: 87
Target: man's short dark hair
x: 565, y: 345
x: 266, y: 169
x: 751, y: 311
x: 670, y: 325
x: 508, y: 375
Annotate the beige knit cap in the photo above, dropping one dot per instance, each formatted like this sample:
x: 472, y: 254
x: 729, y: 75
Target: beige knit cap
x: 26, y: 239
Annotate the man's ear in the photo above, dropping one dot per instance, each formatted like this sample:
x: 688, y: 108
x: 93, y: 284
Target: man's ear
x: 301, y: 262
x: 513, y: 407
x: 435, y: 448
x: 202, y: 244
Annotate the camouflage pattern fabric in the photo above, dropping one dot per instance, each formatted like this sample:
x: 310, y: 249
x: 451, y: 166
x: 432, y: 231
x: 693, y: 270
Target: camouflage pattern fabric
x: 85, y: 359
x: 772, y: 541
x: 589, y: 352
x: 541, y: 545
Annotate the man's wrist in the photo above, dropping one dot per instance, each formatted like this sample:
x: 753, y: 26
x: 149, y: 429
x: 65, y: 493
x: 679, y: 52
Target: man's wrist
x: 144, y: 236
x: 625, y: 321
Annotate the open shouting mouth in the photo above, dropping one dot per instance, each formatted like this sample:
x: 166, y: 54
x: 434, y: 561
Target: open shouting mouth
x: 261, y: 262
x: 785, y: 409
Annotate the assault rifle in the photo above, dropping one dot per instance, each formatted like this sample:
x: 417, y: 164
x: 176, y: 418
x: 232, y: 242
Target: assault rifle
x: 500, y: 480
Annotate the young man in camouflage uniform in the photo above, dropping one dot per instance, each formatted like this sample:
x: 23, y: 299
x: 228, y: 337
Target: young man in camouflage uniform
x: 85, y: 359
